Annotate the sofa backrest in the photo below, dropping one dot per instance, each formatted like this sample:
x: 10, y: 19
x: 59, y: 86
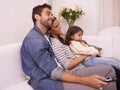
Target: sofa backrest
x: 10, y: 65
x: 113, y: 32
x: 106, y: 43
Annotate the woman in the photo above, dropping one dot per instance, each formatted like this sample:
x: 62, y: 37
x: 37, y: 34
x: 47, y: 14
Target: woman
x: 69, y: 62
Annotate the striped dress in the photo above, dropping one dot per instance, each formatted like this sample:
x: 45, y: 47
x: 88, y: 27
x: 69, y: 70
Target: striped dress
x: 62, y: 52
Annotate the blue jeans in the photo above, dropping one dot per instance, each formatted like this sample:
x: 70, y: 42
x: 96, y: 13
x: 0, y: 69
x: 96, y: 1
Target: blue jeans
x: 92, y: 61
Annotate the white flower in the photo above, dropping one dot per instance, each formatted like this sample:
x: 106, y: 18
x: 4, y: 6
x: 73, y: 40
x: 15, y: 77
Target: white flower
x: 70, y: 15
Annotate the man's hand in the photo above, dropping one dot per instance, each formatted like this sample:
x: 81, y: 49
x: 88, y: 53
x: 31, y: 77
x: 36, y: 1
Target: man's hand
x: 94, y: 81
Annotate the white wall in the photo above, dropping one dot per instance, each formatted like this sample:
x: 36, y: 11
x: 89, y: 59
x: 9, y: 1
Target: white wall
x: 89, y: 22
x: 15, y: 19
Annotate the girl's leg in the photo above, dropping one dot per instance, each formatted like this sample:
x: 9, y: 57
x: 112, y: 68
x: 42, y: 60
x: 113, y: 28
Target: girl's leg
x: 101, y: 60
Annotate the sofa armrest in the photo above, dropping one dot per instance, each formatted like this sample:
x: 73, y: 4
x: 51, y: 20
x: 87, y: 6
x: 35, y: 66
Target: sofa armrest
x: 11, y: 73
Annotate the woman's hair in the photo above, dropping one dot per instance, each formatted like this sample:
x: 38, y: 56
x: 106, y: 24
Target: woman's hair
x: 59, y: 37
x: 71, y: 31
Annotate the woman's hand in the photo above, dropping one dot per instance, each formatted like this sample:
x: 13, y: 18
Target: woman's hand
x: 77, y: 61
x: 84, y: 56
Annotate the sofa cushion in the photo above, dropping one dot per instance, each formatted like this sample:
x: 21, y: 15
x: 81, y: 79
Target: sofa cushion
x: 10, y: 65
x: 20, y: 86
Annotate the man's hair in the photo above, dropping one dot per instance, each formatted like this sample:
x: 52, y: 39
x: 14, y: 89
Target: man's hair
x: 71, y: 31
x: 38, y: 10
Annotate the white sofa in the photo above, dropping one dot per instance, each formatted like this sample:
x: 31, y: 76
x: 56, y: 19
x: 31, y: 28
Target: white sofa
x: 11, y: 74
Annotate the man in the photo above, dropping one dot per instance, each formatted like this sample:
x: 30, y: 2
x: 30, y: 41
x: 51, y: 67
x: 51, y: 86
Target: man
x: 39, y: 63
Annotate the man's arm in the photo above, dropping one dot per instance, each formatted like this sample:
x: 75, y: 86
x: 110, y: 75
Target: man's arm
x: 94, y: 81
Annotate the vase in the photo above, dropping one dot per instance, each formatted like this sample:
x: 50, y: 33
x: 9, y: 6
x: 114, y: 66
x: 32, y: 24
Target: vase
x: 70, y: 22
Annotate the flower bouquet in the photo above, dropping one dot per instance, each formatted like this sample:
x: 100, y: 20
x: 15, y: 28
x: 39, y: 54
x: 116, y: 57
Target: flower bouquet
x: 70, y: 15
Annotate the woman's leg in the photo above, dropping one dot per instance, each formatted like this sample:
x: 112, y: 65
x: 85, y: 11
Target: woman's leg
x: 104, y: 61
x: 93, y: 70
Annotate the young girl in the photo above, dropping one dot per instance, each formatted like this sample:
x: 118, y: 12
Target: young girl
x: 80, y: 47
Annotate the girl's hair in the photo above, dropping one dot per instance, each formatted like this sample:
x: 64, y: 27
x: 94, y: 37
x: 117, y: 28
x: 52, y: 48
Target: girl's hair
x: 71, y: 31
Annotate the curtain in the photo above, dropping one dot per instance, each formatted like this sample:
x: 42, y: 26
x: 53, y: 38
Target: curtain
x: 109, y: 13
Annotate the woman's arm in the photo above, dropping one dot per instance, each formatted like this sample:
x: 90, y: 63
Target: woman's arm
x: 61, y: 53
x: 77, y: 61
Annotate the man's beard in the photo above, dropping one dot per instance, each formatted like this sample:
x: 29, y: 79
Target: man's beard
x: 48, y: 27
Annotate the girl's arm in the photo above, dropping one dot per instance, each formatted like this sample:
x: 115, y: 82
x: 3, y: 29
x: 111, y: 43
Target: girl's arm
x: 79, y: 48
